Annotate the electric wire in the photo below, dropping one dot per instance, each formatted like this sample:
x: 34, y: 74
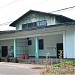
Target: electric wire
x: 20, y: 10
x: 34, y: 5
x: 8, y: 4
x: 6, y: 23
x: 27, y: 7
x: 64, y: 9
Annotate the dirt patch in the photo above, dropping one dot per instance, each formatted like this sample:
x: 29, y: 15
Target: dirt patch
x: 37, y: 68
x: 62, y: 70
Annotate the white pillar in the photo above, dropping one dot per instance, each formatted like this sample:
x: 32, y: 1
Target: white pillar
x: 64, y: 45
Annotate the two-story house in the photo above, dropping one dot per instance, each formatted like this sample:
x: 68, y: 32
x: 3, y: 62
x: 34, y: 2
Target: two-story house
x: 38, y: 33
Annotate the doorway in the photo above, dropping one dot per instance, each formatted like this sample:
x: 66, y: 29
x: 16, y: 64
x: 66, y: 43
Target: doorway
x: 4, y: 51
x: 59, y: 47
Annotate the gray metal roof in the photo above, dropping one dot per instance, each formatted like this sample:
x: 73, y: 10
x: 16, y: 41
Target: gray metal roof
x: 60, y: 16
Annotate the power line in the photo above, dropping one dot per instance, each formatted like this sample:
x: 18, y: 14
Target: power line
x: 3, y: 24
x: 37, y: 4
x: 51, y: 12
x: 13, y: 2
x: 27, y: 7
x: 9, y: 4
x: 63, y: 9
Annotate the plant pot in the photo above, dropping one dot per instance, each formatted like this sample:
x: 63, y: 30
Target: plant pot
x: 7, y: 59
x: 26, y: 56
x: 23, y: 56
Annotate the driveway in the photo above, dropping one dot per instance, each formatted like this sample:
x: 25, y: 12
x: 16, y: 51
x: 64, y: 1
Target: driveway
x: 19, y: 69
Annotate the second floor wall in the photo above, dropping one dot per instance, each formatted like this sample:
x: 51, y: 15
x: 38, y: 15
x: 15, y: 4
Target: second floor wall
x: 36, y: 18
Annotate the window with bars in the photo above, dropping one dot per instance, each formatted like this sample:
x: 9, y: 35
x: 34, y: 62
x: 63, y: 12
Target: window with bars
x: 35, y: 24
x: 42, y: 23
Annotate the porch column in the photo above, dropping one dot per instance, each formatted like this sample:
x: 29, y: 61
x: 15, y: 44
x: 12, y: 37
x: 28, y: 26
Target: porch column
x: 14, y: 48
x: 36, y: 48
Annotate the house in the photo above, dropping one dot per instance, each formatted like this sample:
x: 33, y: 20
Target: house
x: 38, y: 33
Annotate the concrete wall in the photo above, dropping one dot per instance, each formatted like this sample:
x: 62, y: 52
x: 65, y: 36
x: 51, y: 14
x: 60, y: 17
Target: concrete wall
x: 51, y: 34
x: 49, y: 45
x: 69, y: 42
x: 74, y: 41
x: 21, y: 47
x: 34, y: 33
x: 33, y: 17
x: 8, y: 43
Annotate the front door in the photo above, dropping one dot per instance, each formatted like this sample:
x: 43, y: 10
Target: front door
x: 4, y: 51
x: 59, y: 47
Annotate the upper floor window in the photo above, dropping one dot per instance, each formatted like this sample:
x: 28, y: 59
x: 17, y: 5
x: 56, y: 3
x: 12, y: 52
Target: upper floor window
x: 30, y: 24
x: 24, y: 26
x: 42, y: 23
x: 35, y: 24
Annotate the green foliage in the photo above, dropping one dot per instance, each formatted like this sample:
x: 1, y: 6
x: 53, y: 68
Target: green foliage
x: 60, y: 54
x: 62, y: 68
x: 68, y: 62
x: 47, y: 55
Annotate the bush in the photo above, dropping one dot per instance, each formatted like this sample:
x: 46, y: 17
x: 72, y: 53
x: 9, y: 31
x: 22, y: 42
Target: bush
x: 7, y: 59
x: 16, y: 60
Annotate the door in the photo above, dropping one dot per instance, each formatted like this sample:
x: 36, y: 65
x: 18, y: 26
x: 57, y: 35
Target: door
x: 4, y: 51
x: 59, y: 47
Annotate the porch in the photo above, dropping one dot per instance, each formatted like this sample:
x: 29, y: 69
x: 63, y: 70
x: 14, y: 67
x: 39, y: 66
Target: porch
x: 35, y: 47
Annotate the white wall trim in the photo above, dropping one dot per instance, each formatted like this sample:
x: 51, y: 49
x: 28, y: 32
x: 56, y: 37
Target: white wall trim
x: 45, y: 34
x: 74, y: 41
x: 64, y: 45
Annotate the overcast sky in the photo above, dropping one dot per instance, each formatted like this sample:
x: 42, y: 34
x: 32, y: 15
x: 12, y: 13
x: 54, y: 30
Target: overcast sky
x: 10, y: 10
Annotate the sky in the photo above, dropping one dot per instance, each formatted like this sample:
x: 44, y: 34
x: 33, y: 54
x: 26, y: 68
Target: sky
x: 10, y: 10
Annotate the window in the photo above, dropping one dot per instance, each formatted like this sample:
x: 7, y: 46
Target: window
x: 24, y: 26
x: 30, y: 24
x: 29, y: 42
x: 42, y: 23
x: 38, y: 24
x: 41, y: 44
x: 34, y: 24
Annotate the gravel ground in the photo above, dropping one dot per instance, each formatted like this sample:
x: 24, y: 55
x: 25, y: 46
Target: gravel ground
x: 20, y: 69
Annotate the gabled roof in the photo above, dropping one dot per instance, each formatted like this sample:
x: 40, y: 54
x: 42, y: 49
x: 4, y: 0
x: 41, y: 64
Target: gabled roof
x: 30, y: 11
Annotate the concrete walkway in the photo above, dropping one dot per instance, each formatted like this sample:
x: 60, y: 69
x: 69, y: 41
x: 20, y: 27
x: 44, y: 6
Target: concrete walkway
x: 20, y: 69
